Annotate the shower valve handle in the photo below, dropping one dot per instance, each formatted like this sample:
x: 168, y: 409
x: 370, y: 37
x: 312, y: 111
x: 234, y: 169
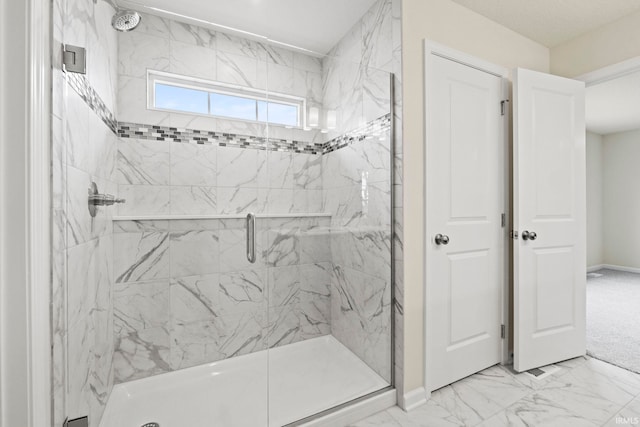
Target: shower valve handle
x: 104, y: 200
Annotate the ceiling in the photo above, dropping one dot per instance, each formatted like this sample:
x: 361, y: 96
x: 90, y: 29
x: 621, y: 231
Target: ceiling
x: 552, y: 22
x: 614, y: 106
x: 316, y: 25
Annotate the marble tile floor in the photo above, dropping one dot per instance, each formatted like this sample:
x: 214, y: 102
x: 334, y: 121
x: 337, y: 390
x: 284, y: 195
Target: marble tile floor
x: 582, y: 392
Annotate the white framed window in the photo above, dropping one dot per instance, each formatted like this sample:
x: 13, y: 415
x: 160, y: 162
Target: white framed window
x: 177, y: 93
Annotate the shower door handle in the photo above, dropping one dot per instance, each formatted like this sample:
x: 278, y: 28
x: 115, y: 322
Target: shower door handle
x: 251, y: 237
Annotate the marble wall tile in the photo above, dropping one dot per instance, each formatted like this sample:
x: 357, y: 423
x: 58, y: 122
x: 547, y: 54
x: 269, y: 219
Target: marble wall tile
x: 80, y: 284
x: 283, y: 326
x: 240, y: 46
x: 80, y: 354
x: 141, y: 256
x: 315, y: 244
x: 280, y: 78
x: 282, y: 244
x: 307, y: 62
x: 104, y: 150
x: 242, y: 291
x: 154, y: 26
x: 196, y: 343
x: 140, y: 226
x: 132, y: 103
x: 315, y: 300
x: 141, y: 305
x: 375, y: 93
x: 192, y: 60
x: 244, y: 333
x: 238, y: 200
x: 280, y: 170
x: 193, y: 200
x: 275, y: 200
x: 240, y: 168
x: 144, y: 200
x: 192, y: 34
x: 140, y: 354
x: 239, y: 70
x: 277, y: 55
x: 79, y: 222
x: 78, y: 147
x: 102, y: 63
x: 195, y: 298
x: 307, y: 84
x: 283, y: 285
x: 194, y: 252
x: 378, y: 37
x: 360, y: 317
x: 143, y: 162
x: 193, y: 164
x: 138, y: 52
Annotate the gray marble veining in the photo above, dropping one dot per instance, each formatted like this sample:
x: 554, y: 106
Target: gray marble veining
x: 582, y: 392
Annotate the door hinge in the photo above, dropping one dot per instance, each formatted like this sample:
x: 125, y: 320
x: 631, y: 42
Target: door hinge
x: 503, y: 220
x: 503, y: 106
x: 502, y: 331
x: 74, y: 59
x: 514, y: 234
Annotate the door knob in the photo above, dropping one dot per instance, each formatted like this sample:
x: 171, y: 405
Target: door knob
x: 529, y: 235
x: 442, y: 239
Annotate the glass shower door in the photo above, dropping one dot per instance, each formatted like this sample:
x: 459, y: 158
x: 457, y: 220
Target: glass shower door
x: 327, y: 243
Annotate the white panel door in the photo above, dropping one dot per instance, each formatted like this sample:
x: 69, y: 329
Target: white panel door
x: 549, y: 216
x: 464, y: 193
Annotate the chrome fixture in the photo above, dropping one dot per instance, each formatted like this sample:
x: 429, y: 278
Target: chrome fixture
x: 96, y: 199
x: 441, y: 239
x: 529, y: 235
x: 251, y: 237
x: 124, y: 20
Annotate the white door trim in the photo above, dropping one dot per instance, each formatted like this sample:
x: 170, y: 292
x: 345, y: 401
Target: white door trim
x: 25, y: 332
x: 433, y: 48
x: 39, y: 211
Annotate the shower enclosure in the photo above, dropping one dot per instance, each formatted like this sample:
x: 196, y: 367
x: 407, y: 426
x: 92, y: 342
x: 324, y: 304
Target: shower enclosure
x: 246, y: 277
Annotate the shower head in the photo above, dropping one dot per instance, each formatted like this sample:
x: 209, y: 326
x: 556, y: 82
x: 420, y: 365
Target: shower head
x: 125, y: 20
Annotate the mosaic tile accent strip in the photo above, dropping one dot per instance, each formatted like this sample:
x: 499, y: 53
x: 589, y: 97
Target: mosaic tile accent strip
x: 193, y: 136
x: 372, y: 129
x: 81, y: 85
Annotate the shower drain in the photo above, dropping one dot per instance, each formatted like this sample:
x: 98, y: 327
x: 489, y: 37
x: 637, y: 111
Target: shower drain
x: 150, y: 425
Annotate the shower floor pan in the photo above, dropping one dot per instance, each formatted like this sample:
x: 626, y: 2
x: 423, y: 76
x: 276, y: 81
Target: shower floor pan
x: 284, y: 384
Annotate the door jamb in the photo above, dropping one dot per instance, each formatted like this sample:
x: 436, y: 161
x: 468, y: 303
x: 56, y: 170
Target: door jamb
x: 433, y: 48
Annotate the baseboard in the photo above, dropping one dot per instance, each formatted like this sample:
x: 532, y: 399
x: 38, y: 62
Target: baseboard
x: 413, y: 399
x: 621, y: 268
x: 595, y: 268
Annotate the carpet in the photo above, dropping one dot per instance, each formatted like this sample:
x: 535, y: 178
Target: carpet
x: 613, y: 318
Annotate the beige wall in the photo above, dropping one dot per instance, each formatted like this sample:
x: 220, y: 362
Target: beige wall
x: 447, y: 23
x: 607, y: 45
x: 594, y: 200
x: 621, y: 198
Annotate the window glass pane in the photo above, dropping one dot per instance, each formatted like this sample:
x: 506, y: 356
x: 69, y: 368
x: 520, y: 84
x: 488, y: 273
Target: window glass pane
x: 181, y: 99
x: 233, y: 106
x: 262, y: 111
x: 283, y: 114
